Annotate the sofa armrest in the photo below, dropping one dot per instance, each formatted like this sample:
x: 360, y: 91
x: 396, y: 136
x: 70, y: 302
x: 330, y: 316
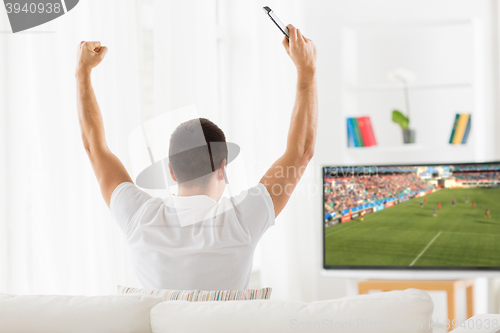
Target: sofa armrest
x: 484, y: 323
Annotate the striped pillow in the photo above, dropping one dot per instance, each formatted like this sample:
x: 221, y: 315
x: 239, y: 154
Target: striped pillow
x: 201, y: 295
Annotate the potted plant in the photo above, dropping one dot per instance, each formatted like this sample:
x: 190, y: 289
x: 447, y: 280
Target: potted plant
x: 398, y: 117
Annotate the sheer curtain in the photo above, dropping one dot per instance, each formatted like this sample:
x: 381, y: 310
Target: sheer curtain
x: 179, y: 73
x: 56, y: 233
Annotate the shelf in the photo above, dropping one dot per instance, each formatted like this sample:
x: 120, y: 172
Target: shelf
x: 408, y: 154
x: 403, y: 148
x: 380, y: 149
x: 382, y: 87
x: 409, y: 23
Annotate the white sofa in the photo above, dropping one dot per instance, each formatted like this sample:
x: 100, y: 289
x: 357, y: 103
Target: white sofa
x: 482, y: 323
x: 395, y: 311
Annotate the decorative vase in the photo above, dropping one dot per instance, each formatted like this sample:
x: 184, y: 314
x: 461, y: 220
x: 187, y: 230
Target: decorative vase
x: 408, y: 136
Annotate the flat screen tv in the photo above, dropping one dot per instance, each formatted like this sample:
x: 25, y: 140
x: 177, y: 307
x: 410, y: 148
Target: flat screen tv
x: 412, y: 217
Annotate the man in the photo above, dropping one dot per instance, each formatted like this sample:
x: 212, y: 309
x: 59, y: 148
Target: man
x: 213, y: 249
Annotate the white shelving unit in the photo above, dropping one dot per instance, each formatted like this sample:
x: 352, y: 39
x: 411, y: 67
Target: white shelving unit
x: 446, y: 57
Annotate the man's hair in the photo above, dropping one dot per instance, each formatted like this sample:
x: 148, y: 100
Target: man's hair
x: 191, y: 157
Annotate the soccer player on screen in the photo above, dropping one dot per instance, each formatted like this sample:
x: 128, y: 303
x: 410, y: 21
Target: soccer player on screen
x: 487, y: 213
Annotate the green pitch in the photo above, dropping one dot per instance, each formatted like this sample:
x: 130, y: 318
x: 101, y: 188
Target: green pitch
x: 407, y: 235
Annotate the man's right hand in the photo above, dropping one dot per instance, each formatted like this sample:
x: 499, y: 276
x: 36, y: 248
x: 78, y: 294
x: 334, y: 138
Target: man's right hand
x: 301, y: 49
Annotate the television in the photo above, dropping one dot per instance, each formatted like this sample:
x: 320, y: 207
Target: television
x: 412, y: 217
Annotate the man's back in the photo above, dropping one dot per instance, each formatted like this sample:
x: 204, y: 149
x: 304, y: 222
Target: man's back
x: 192, y: 242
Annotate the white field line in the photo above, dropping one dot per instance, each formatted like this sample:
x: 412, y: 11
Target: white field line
x: 425, y: 249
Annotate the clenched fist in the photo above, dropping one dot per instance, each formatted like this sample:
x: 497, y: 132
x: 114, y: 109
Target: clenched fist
x: 89, y: 55
x: 301, y: 49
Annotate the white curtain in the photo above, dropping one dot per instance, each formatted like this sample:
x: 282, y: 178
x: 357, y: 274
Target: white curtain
x: 178, y: 41
x: 56, y: 234
x: 185, y: 56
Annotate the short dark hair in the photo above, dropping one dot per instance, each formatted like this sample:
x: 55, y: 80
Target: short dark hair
x: 189, y: 155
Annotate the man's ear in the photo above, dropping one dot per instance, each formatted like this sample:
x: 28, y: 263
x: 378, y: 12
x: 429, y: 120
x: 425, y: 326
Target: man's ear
x: 220, y: 171
x: 171, y: 172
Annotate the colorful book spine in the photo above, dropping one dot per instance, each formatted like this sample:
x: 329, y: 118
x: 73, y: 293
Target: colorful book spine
x: 467, y: 130
x: 371, y: 133
x: 360, y: 132
x: 350, y: 133
x: 354, y: 138
x: 366, y: 129
x: 454, y: 129
x: 357, y: 133
x: 460, y: 131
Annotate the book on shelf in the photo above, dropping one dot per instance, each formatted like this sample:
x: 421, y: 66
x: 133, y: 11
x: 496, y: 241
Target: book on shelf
x: 366, y: 129
x: 461, y: 129
x: 357, y: 133
x: 457, y: 116
x: 467, y: 130
x: 350, y: 134
x: 360, y: 132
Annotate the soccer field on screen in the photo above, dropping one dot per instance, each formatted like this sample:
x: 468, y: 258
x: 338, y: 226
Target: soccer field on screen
x: 408, y: 235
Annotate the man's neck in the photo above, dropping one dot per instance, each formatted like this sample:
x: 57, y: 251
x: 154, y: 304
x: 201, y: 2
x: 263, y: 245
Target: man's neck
x: 191, y: 191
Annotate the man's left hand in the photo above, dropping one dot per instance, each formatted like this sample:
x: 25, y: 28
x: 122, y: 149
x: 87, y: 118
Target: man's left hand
x: 89, y: 55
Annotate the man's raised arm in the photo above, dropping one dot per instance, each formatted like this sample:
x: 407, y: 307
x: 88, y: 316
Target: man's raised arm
x: 283, y: 176
x: 108, y: 169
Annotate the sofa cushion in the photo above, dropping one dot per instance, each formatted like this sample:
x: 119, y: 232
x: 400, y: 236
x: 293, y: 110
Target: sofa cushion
x: 394, y: 311
x: 482, y: 323
x: 201, y: 295
x: 63, y: 314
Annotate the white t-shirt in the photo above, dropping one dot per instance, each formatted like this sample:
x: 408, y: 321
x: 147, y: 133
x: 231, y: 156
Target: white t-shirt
x: 192, y: 242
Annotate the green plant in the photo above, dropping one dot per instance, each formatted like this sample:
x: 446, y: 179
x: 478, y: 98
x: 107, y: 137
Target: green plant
x: 400, y: 119
x: 404, y: 76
